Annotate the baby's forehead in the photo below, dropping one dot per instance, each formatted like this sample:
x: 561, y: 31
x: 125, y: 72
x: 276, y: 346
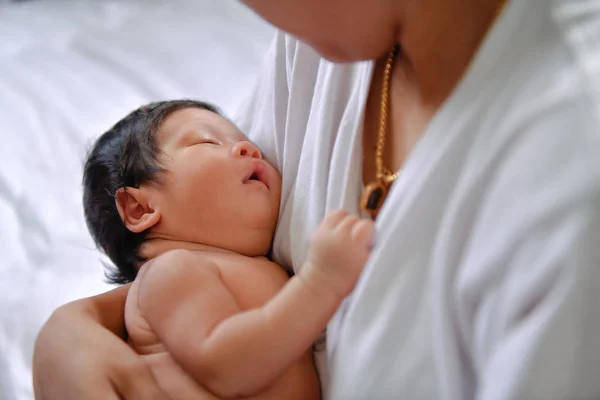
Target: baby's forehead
x: 192, y: 122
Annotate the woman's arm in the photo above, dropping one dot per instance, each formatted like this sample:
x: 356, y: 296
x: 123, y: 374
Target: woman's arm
x: 79, y: 354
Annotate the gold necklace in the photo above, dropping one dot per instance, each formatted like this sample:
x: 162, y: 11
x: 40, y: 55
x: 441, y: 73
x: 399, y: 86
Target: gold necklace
x: 375, y: 193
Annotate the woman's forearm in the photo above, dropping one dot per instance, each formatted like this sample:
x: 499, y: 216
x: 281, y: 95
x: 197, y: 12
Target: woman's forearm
x: 108, y: 309
x: 248, y: 351
x: 80, y: 351
x: 105, y: 310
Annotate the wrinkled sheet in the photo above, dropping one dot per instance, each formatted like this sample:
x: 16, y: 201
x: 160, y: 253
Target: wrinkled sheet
x: 68, y: 71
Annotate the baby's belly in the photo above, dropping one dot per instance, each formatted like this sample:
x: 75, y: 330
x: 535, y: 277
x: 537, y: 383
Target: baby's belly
x: 300, y: 382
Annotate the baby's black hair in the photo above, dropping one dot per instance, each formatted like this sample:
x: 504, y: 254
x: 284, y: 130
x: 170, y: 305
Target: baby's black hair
x: 125, y: 156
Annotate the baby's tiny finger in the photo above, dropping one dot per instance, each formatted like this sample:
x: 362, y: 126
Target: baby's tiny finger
x: 363, y: 231
x: 348, y: 223
x: 333, y: 218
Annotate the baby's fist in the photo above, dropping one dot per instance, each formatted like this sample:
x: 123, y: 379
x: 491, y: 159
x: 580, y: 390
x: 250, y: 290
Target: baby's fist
x: 338, y: 252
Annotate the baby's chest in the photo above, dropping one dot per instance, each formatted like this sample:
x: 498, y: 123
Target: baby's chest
x: 252, y: 282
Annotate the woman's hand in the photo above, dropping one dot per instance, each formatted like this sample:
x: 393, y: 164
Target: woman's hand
x: 79, y: 355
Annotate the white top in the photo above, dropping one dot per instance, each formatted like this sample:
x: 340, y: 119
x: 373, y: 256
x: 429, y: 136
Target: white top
x: 485, y: 279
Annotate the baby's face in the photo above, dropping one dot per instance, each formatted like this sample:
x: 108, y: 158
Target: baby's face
x: 217, y: 189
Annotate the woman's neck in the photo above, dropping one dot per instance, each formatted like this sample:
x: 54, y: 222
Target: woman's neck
x: 438, y: 40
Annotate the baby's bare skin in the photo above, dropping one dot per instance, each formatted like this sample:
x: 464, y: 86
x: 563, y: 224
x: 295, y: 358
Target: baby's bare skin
x: 212, y: 318
x: 252, y: 282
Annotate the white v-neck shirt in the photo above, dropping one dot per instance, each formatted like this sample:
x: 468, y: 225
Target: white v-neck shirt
x: 484, y: 282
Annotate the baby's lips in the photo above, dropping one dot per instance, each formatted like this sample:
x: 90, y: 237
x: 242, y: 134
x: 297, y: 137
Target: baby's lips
x: 259, y: 171
x: 262, y: 174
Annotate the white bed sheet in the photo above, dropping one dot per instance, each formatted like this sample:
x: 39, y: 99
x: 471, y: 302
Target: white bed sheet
x: 68, y: 71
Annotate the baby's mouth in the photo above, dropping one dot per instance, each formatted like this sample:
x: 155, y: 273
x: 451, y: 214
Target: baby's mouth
x: 257, y: 175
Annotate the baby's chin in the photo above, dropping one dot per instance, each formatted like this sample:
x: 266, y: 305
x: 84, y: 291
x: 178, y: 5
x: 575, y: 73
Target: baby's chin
x: 252, y: 240
x: 257, y: 246
x: 241, y: 240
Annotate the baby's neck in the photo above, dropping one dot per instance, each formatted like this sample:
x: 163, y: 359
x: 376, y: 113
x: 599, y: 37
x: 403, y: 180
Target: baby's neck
x: 152, y: 248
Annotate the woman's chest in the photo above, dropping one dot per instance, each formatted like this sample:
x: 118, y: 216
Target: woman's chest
x: 394, y: 121
x: 328, y: 156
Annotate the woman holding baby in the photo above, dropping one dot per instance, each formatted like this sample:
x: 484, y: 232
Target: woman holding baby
x: 469, y: 130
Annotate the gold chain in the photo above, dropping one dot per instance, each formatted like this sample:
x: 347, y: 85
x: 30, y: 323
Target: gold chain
x: 384, y: 174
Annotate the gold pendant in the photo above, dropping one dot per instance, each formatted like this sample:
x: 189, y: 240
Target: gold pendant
x: 373, y: 197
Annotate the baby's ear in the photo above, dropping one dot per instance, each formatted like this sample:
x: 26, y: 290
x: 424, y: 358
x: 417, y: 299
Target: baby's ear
x: 135, y: 210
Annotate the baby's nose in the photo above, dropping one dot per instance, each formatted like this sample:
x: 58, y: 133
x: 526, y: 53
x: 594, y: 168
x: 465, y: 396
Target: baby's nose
x: 246, y: 149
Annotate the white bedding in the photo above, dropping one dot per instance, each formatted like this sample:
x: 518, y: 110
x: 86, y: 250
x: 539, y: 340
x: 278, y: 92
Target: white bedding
x: 68, y: 71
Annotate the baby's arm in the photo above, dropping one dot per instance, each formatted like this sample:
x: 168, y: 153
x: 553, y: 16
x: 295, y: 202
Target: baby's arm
x: 234, y: 353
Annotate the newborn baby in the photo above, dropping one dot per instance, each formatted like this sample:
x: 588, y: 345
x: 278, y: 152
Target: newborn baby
x: 185, y: 207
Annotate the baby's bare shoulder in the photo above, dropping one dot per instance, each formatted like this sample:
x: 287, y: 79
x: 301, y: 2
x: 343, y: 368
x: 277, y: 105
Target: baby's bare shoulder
x: 178, y: 269
x: 252, y: 278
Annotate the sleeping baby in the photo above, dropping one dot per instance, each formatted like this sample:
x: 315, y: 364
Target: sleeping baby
x: 186, y: 208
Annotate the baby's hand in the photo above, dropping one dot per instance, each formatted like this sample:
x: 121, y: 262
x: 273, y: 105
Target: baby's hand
x: 338, y: 252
